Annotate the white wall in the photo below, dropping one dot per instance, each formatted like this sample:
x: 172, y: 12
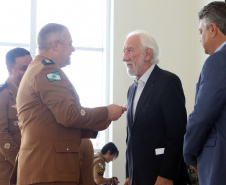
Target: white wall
x: 174, y: 24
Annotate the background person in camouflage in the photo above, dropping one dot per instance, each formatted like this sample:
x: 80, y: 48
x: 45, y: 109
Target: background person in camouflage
x: 193, y: 176
x: 108, y: 153
x: 17, y: 61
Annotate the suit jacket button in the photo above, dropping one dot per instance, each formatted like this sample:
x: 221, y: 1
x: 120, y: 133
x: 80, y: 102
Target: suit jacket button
x: 67, y: 149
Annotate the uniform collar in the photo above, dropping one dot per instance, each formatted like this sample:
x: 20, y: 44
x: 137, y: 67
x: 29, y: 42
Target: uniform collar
x: 101, y: 156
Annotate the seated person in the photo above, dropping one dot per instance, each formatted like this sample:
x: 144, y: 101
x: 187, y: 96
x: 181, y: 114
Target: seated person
x: 108, y: 153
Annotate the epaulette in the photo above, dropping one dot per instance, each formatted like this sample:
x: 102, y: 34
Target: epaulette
x: 3, y: 86
x: 48, y: 62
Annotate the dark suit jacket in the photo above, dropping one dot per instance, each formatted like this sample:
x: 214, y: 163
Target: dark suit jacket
x: 159, y: 123
x: 205, y: 139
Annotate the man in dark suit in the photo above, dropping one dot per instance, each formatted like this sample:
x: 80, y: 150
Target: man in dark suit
x: 156, y: 117
x: 205, y: 139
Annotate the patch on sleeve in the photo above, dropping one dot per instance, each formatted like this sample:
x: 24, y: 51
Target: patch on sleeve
x: 83, y: 112
x: 101, y: 172
x: 48, y: 62
x: 3, y: 86
x: 54, y: 76
x: 100, y: 165
x: 7, y: 146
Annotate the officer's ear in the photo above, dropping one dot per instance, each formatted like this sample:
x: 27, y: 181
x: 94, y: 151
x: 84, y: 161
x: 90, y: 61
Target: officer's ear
x: 55, y: 45
x: 108, y: 152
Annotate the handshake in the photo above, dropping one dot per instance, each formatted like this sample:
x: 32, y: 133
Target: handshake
x: 115, y: 112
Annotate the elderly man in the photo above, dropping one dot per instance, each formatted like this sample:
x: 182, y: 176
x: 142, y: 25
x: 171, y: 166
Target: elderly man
x: 204, y: 141
x: 156, y: 117
x: 51, y: 119
x: 17, y: 61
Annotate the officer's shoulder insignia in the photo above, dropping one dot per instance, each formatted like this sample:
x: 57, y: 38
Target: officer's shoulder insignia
x: 7, y: 146
x: 48, y: 62
x: 3, y: 86
x: 83, y: 112
x: 54, y: 76
x: 101, y: 172
x: 100, y: 165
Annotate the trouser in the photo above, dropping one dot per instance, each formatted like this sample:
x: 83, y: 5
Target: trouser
x: 134, y: 182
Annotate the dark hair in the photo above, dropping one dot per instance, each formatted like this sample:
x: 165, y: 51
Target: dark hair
x: 110, y: 146
x: 12, y: 54
x: 214, y: 12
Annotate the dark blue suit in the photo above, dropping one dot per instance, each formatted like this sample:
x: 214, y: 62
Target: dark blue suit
x: 160, y: 122
x: 205, y: 139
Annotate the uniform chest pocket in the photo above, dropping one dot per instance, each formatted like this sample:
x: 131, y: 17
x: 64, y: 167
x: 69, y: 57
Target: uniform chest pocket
x: 67, y: 156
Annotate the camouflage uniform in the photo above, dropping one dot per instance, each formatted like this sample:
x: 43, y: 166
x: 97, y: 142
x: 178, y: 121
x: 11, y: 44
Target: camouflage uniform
x: 192, y: 175
x: 9, y: 131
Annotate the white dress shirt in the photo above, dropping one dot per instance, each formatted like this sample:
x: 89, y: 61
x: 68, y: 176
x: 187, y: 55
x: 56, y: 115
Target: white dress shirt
x: 140, y: 86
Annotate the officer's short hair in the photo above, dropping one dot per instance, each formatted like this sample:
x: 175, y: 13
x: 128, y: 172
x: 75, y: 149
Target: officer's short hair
x: 50, y: 33
x: 12, y: 54
x: 110, y: 146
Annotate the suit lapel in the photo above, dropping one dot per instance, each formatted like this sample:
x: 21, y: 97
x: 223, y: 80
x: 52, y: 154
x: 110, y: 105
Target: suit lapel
x: 147, y: 90
x: 130, y: 104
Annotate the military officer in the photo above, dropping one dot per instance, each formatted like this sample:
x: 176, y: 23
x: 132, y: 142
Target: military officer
x: 17, y: 61
x: 108, y: 153
x: 51, y: 118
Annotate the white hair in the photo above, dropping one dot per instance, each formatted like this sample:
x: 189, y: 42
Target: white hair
x: 147, y: 41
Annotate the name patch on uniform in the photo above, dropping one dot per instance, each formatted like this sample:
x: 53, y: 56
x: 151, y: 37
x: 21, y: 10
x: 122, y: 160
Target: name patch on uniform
x: 47, y: 62
x: 54, y: 76
x: 101, y: 172
x: 100, y: 165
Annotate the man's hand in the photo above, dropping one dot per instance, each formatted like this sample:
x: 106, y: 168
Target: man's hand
x: 115, y: 180
x: 195, y: 168
x: 163, y: 181
x: 126, y: 182
x: 115, y: 112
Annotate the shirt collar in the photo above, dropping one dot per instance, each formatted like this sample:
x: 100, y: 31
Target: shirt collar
x: 220, y: 47
x: 145, y: 76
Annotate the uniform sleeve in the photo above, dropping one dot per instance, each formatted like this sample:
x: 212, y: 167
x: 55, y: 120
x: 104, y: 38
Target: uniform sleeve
x: 210, y: 101
x: 98, y: 169
x: 8, y: 147
x: 175, y: 118
x: 59, y: 96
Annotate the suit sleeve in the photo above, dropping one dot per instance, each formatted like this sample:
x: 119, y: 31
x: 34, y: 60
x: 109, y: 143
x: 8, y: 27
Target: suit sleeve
x: 175, y: 118
x: 5, y: 137
x: 210, y: 100
x: 60, y: 98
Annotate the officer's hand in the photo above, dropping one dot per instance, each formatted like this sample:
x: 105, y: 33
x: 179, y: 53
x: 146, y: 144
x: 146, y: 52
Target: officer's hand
x: 115, y: 180
x: 126, y: 182
x: 115, y: 112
